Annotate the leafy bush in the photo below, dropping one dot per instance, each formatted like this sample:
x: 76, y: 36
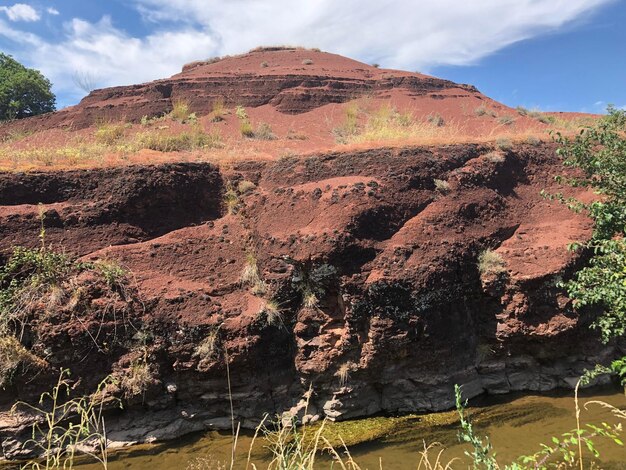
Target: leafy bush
x: 599, y: 153
x: 24, y: 92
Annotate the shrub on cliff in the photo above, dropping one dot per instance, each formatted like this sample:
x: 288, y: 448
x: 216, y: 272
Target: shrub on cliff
x: 24, y: 92
x: 599, y: 153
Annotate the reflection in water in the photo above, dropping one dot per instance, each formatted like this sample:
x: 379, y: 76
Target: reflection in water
x: 515, y: 426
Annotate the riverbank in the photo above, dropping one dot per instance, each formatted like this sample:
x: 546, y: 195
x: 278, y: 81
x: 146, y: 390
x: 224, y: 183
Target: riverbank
x: 516, y: 425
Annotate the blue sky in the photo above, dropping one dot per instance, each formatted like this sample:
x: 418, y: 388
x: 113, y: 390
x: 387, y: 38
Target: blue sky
x: 546, y: 54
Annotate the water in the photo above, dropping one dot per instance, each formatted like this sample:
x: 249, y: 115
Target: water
x: 516, y: 425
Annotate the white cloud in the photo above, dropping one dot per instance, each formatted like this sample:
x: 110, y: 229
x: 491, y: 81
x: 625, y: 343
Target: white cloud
x: 109, y: 56
x: 52, y: 11
x: 394, y: 33
x: 21, y: 12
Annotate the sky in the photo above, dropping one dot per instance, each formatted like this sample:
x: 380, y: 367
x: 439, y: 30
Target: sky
x: 566, y: 55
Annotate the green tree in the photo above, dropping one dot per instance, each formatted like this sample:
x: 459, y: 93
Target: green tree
x: 599, y: 155
x: 24, y: 92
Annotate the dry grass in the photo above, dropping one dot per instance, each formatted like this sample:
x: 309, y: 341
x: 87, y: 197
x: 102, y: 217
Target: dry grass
x: 442, y: 186
x: 218, y: 110
x: 310, y: 300
x: 387, y: 124
x: 343, y: 373
x: 495, y: 157
x: 180, y: 111
x: 490, y: 262
x: 179, y: 142
x: 136, y: 381
x: 504, y: 143
x: 207, y: 349
x: 272, y: 312
x: 12, y: 354
x: 110, y: 133
x: 245, y: 186
x: 506, y: 120
x: 483, y: 110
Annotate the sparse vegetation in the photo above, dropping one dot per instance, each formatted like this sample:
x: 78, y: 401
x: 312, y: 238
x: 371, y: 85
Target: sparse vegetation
x: 293, y: 135
x: 343, y: 373
x: 350, y: 126
x: 442, y: 186
x: 180, y: 111
x: 207, y: 349
x: 179, y: 142
x: 12, y: 355
x: 436, y: 120
x: 495, y: 157
x: 264, y: 65
x: 272, y: 313
x: 245, y: 186
x: 68, y: 426
x: 483, y: 110
x: 490, y: 262
x: 504, y: 143
x: 110, y: 133
x: 532, y: 140
x: 264, y: 132
x: 245, y: 127
x: 307, y: 62
x: 219, y: 110
x: 137, y: 379
x: 506, y: 120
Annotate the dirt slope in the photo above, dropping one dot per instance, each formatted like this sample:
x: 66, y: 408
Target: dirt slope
x: 402, y: 311
x: 349, y: 269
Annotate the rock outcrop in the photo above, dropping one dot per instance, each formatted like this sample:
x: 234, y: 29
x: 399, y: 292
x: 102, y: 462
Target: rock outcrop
x: 353, y: 275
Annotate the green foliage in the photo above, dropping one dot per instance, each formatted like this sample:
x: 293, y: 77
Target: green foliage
x: 481, y: 455
x: 599, y: 153
x: 618, y: 367
x: 67, y: 425
x: 312, y: 281
x: 564, y: 449
x: 24, y: 92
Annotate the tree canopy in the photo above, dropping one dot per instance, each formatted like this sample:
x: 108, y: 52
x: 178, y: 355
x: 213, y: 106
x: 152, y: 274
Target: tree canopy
x: 24, y: 92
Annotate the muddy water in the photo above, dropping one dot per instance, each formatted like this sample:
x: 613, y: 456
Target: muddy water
x: 516, y: 426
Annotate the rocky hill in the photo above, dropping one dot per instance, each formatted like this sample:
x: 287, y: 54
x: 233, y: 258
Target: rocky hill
x: 376, y: 278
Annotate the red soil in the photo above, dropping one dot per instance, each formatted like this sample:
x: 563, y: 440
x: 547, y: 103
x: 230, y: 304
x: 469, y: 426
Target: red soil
x: 402, y: 305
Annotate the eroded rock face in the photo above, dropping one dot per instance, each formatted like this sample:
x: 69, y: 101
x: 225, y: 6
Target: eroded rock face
x: 371, y: 265
x: 286, y: 83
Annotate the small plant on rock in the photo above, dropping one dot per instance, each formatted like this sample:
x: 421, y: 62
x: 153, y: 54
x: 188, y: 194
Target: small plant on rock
x: 207, y: 349
x: 504, y: 144
x: 219, y: 111
x: 436, y: 120
x: 490, y: 262
x: 138, y: 378
x: 442, y: 186
x: 272, y: 312
x: 180, y: 111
